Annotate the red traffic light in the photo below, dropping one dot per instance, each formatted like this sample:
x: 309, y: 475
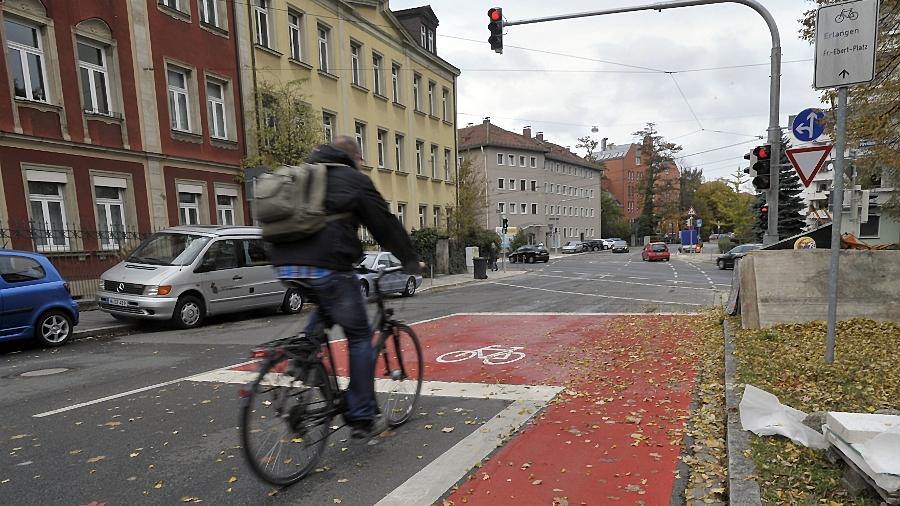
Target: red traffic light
x: 495, y: 13
x: 764, y: 209
x: 762, y: 152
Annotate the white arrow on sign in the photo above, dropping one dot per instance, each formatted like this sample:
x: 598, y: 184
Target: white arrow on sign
x: 808, y: 161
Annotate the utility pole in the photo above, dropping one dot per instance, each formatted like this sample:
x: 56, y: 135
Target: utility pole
x: 774, y: 130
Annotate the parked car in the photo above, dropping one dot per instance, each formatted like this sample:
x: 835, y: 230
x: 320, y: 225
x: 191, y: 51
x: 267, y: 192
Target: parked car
x: 529, y: 254
x: 655, y: 251
x: 608, y: 242
x: 714, y: 237
x: 184, y: 274
x: 620, y: 246
x: 726, y: 260
x: 394, y: 282
x: 593, y: 244
x: 35, y: 301
x: 573, y: 247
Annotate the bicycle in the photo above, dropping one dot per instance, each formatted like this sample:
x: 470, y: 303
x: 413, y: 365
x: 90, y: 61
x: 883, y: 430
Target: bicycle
x: 292, y: 402
x: 498, y: 355
x: 846, y: 14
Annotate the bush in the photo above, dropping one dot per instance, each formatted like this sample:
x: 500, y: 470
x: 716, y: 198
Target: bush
x: 520, y: 239
x: 725, y: 244
x: 425, y: 241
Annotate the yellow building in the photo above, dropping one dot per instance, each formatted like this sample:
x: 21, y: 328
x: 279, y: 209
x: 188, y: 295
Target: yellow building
x: 368, y: 76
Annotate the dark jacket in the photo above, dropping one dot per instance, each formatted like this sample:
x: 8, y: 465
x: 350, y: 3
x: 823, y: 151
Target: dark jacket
x: 337, y: 246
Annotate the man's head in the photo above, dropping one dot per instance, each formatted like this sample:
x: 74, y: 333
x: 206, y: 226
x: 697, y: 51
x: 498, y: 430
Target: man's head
x: 348, y: 145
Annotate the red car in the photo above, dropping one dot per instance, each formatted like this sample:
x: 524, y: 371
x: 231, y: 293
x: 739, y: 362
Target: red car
x: 655, y: 251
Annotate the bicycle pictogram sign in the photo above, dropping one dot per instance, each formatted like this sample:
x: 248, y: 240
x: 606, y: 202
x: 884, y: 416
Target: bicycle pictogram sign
x: 494, y: 354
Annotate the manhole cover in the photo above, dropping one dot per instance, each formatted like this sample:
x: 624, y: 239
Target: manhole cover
x: 44, y: 372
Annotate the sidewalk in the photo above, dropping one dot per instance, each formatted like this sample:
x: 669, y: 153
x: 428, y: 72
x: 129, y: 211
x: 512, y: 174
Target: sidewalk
x: 95, y: 322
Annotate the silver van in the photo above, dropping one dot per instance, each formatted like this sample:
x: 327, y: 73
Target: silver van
x: 186, y: 273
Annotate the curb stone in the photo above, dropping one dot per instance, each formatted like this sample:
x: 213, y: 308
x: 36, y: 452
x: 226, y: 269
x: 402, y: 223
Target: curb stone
x: 108, y: 331
x: 743, y: 489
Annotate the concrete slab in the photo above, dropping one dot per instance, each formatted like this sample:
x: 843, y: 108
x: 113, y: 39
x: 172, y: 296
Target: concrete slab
x: 857, y: 428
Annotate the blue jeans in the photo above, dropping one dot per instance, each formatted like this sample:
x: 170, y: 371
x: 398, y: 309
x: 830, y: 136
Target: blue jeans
x: 341, y: 302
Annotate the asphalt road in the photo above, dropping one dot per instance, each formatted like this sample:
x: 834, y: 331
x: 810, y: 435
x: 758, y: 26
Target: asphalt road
x: 121, y: 423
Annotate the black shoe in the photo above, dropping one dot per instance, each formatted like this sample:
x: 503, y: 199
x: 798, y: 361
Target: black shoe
x: 363, y: 431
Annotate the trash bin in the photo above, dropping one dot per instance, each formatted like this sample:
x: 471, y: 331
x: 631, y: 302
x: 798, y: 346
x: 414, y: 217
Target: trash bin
x: 480, y: 267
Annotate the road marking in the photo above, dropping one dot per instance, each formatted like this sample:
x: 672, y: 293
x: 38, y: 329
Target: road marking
x: 489, y: 313
x: 125, y: 394
x: 633, y: 283
x: 636, y: 277
x: 596, y: 295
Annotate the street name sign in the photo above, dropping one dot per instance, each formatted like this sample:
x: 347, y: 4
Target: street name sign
x: 807, y: 161
x: 699, y: 222
x: 845, y: 43
x: 808, y: 125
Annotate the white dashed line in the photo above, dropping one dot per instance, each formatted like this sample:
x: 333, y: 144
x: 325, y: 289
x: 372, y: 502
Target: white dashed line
x: 597, y: 295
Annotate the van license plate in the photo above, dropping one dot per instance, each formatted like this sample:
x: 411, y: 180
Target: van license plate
x: 118, y: 302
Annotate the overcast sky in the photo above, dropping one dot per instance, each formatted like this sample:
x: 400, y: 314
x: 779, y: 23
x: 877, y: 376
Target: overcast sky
x: 564, y: 96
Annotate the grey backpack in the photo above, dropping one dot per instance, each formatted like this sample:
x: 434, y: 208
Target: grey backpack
x: 289, y: 202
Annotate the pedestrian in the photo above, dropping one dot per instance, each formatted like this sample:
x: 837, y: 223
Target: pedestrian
x: 325, y: 263
x: 492, y: 257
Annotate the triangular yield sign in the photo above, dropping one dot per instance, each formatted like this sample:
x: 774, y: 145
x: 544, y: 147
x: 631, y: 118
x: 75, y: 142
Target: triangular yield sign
x: 808, y: 161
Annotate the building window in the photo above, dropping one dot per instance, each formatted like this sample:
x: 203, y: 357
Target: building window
x: 382, y: 138
x: 92, y: 67
x: 188, y: 208
x: 395, y: 82
x: 521, y: 161
x: 209, y: 12
x: 523, y: 208
x: 401, y: 213
x: 26, y: 60
x: 179, y: 107
x: 417, y: 81
x: 446, y: 165
x: 422, y: 212
x: 499, y: 158
x: 500, y: 183
x: 398, y: 151
x: 110, y: 215
x: 501, y: 207
x: 436, y: 216
x: 512, y: 160
x: 225, y: 209
x: 215, y: 101
x: 377, y: 64
x: 445, y: 104
x: 419, y: 147
x: 355, y: 74
x: 422, y: 36
x: 534, y: 209
x: 360, y: 131
x: 512, y: 208
x: 261, y: 13
x: 431, y: 98
x: 328, y: 126
x: 523, y: 185
x: 433, y: 161
x: 512, y: 184
x: 172, y: 4
x: 871, y: 227
x: 533, y: 185
x: 533, y: 162
x: 431, y: 40
x: 295, y: 35
x: 637, y: 157
x: 323, y: 48
x: 48, y: 214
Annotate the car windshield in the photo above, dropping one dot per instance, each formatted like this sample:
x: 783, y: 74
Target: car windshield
x: 525, y: 248
x: 572, y: 243
x: 658, y: 247
x: 169, y: 249
x: 369, y: 261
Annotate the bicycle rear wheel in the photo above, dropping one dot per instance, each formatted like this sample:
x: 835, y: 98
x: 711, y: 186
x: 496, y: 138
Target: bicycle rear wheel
x: 285, y: 422
x: 399, y: 373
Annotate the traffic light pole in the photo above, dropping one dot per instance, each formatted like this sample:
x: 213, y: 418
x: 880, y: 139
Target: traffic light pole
x: 774, y: 130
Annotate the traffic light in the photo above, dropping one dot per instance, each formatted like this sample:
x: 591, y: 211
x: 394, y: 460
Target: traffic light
x: 763, y: 155
x: 764, y: 212
x: 505, y: 225
x: 749, y: 170
x: 495, y: 15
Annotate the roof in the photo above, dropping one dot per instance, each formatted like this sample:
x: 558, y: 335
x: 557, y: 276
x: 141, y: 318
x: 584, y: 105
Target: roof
x: 487, y: 134
x: 615, y: 152
x: 424, y: 11
x: 560, y: 153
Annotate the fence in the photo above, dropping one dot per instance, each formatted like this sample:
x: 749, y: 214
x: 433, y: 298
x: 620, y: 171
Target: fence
x: 80, y: 255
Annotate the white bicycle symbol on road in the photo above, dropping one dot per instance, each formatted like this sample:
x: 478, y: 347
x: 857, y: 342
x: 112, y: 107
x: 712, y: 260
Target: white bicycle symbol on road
x: 494, y: 354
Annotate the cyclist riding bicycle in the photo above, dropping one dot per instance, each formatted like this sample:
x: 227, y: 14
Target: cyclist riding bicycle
x: 326, y: 262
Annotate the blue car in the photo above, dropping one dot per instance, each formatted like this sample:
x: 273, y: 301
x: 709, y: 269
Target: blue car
x: 34, y: 300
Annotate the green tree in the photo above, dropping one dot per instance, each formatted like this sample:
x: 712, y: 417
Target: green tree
x: 656, y: 153
x: 737, y: 179
x: 691, y: 179
x: 723, y: 208
x: 288, y: 128
x: 471, y: 201
x: 589, y: 144
x: 612, y: 221
x: 790, y: 205
x: 874, y: 108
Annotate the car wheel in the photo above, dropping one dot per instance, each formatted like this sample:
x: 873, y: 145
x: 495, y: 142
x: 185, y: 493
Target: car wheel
x: 293, y: 302
x: 721, y: 264
x: 189, y: 312
x: 530, y: 260
x: 364, y: 289
x: 410, y: 289
x: 53, y: 328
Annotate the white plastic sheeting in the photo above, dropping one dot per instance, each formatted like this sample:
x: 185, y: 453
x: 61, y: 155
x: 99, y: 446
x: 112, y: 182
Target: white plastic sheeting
x: 764, y: 415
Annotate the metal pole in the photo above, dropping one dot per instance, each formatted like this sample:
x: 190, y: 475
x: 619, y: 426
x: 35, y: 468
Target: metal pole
x: 774, y: 129
x: 837, y: 205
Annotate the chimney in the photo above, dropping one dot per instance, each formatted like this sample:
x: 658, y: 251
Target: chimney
x: 527, y: 132
x: 603, y: 143
x: 487, y: 120
x: 540, y: 136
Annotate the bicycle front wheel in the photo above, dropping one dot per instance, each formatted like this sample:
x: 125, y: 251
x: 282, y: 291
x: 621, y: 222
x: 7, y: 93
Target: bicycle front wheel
x: 401, y: 370
x: 285, y: 422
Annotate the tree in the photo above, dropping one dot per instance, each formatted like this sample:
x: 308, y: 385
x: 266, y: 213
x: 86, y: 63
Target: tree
x: 723, y: 208
x: 790, y: 205
x: 691, y: 179
x: 471, y: 201
x: 612, y: 220
x: 656, y: 154
x: 288, y: 129
x: 589, y: 144
x: 873, y: 108
x: 737, y: 179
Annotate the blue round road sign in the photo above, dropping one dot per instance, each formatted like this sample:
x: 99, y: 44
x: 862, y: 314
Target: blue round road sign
x: 808, y: 125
